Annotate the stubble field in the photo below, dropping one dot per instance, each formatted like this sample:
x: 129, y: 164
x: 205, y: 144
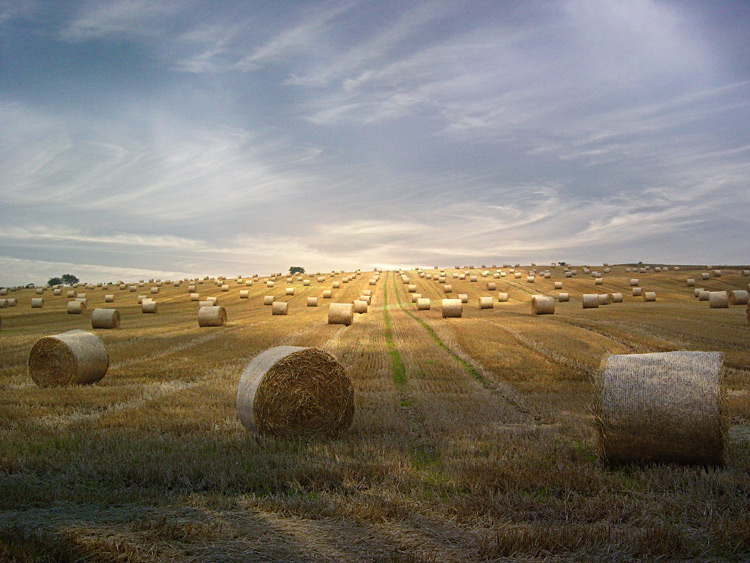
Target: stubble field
x: 473, y: 438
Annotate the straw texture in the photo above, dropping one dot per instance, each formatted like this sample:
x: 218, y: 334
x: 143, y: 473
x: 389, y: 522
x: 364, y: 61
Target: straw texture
x: 212, y: 315
x: 71, y: 358
x: 452, y: 308
x: 105, y: 318
x: 340, y: 314
x: 542, y: 305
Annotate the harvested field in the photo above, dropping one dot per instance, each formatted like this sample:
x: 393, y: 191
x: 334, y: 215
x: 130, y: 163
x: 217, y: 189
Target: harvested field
x: 472, y: 440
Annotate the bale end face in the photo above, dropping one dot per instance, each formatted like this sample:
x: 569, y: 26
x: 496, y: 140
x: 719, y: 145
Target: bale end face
x: 71, y: 358
x: 542, y: 305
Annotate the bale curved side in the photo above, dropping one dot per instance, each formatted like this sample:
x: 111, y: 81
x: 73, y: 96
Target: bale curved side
x: 71, y: 358
x: 340, y: 314
x: 105, y: 318
x: 212, y: 315
x: 542, y: 305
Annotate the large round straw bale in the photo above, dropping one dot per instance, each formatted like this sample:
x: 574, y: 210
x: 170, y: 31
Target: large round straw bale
x: 76, y: 307
x: 502, y: 297
x: 37, y: 302
x: 105, y: 318
x: 472, y: 279
x: 214, y: 315
x: 12, y: 302
x: 739, y: 297
x: 305, y: 283
x: 704, y: 295
x: 336, y: 285
x: 717, y: 273
x: 57, y: 291
x: 634, y: 282
x: 705, y: 276
x: 649, y: 296
x: 412, y: 288
x: 312, y: 301
x: 415, y: 296
x: 617, y: 297
x: 154, y: 290
x: 244, y: 294
x: 491, y: 286
x: 517, y: 275
x: 290, y: 291
x: 605, y: 299
x: 558, y: 285
x: 697, y: 291
x: 71, y: 294
x: 291, y: 392
x: 195, y: 297
x: 360, y: 306
x: 542, y: 305
x: 148, y: 306
x: 269, y: 283
x: 448, y: 288
x: 367, y: 292
x: 718, y: 300
x: 109, y: 298
x: 340, y: 314
x: 71, y: 358
x: 599, y: 281
x: 563, y: 297
x: 224, y: 287
x: 279, y: 308
x: 691, y: 282
x: 463, y: 297
x: 452, y: 308
x: 590, y: 301
x: 485, y: 303
x: 529, y: 279
x: 423, y: 304
x: 4, y: 291
x: 637, y: 291
x: 665, y: 407
x: 327, y: 293
x: 268, y: 300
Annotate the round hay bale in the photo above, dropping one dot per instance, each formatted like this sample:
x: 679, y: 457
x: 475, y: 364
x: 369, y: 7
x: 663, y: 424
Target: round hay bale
x: 195, y: 297
x: 289, y: 291
x: 448, y: 288
x: 336, y: 285
x: 485, y: 303
x: 491, y: 286
x: 71, y: 358
x: 56, y: 291
x: 704, y: 295
x: 244, y: 294
x: 502, y: 297
x: 637, y: 291
x: 412, y: 288
x: 599, y: 281
x: 705, y: 276
x: 149, y: 306
x: 279, y: 308
x: 340, y: 314
x: 590, y: 301
x: 634, y: 282
x: 472, y: 278
x: 558, y: 285
x: 312, y: 301
x: 269, y: 283
x: 649, y: 296
x: 368, y: 298
x: 542, y: 305
x: 268, y: 300
x: 37, y: 302
x: 529, y: 279
x: 360, y: 306
x: 605, y: 299
x: 154, y: 290
x: 306, y: 283
x: 290, y: 392
x: 563, y: 297
x: 76, y: 307
x: 109, y: 298
x: 665, y: 407
x: 717, y: 273
x: 423, y: 304
x: 105, y: 318
x: 415, y: 296
x: 691, y: 282
x: 718, y: 300
x: 12, y: 302
x: 452, y: 308
x: 71, y: 295
x: 212, y: 315
x: 617, y: 298
x: 739, y: 297
x: 327, y: 294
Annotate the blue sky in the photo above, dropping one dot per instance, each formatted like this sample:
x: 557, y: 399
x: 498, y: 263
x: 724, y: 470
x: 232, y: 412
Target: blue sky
x: 145, y: 139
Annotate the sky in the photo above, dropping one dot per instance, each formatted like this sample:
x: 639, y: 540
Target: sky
x: 180, y: 138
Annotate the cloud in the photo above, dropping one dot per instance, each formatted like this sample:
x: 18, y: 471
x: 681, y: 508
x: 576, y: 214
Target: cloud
x: 118, y: 18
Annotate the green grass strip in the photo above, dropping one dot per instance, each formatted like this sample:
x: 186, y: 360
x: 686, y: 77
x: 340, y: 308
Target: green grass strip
x: 397, y: 365
x: 466, y: 365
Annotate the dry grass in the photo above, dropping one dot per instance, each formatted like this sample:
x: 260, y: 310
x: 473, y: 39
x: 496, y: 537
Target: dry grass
x: 482, y: 449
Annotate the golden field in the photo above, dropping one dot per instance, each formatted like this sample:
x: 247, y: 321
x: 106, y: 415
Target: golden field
x: 473, y: 438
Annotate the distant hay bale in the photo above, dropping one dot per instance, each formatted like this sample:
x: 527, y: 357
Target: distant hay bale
x: 590, y: 301
x: 665, y: 407
x: 37, y: 302
x: 312, y: 301
x: 71, y: 358
x: 340, y: 314
x: 705, y: 276
x: 502, y: 297
x: 327, y: 293
x: 617, y: 297
x: 412, y: 288
x: 697, y: 291
x: 739, y: 297
x: 485, y: 303
x: 269, y: 283
x: 529, y: 279
x: 704, y: 295
x: 191, y: 289
x: 244, y: 294
x: 463, y: 297
x: 321, y: 279
x: 109, y: 298
x: 306, y: 283
x: 214, y: 315
x: 718, y: 300
x: 105, y: 318
x: 279, y: 308
x: 490, y: 286
x: 690, y: 282
x: 76, y: 307
x: 517, y: 275
x: 56, y: 291
x: 448, y: 288
x: 649, y: 296
x: 213, y: 300
x: 415, y: 296
x: 336, y: 285
x: 268, y: 300
x: 542, y: 305
x: 563, y: 297
x: 360, y: 306
x: 206, y: 303
x: 717, y: 273
x: 71, y: 294
x: 637, y: 291
x: 154, y: 290
x: 195, y: 297
x: 423, y: 304
x: 291, y: 392
x: 452, y: 308
x: 149, y: 306
x: 290, y: 291
x: 558, y: 285
x: 634, y: 282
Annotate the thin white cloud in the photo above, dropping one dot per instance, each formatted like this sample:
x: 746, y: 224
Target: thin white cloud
x: 119, y: 18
